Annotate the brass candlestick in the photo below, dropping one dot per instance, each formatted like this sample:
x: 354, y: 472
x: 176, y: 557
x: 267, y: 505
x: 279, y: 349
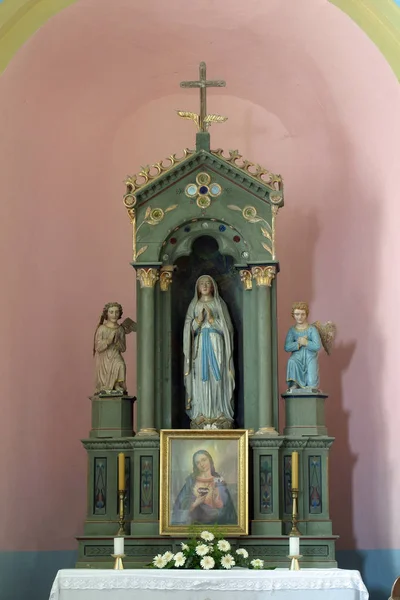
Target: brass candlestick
x: 118, y: 565
x: 294, y: 563
x: 295, y: 513
x: 121, y: 520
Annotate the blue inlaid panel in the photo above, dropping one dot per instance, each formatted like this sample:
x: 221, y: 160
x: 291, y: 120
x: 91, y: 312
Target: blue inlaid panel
x: 100, y: 486
x: 266, y: 506
x: 314, y: 478
x: 146, y: 485
x: 287, y: 484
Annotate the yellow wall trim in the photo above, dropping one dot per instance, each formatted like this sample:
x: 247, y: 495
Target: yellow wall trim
x: 19, y: 19
x: 380, y: 19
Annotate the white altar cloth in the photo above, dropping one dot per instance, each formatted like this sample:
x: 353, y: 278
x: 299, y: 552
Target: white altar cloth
x: 151, y: 584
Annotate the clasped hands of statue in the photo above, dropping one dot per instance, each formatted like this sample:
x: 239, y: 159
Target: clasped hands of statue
x: 205, y: 315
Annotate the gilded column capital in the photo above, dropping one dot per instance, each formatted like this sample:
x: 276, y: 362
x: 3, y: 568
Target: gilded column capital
x: 263, y: 275
x: 147, y: 277
x: 246, y: 279
x: 166, y: 277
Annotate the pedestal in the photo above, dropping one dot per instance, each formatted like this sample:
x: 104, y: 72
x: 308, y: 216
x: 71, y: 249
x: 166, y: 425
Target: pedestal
x: 112, y: 416
x: 305, y: 413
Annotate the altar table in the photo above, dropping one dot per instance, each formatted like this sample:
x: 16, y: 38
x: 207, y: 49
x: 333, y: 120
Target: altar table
x: 152, y: 584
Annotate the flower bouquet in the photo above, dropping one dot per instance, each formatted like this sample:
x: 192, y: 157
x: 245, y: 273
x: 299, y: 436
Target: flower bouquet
x: 206, y: 552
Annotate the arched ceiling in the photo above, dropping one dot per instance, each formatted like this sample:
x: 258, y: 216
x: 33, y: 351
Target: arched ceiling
x: 380, y: 19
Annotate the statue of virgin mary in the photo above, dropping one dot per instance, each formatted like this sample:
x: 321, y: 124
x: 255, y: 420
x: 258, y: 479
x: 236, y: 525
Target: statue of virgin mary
x: 208, y: 356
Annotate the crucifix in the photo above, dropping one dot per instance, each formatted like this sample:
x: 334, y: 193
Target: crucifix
x: 202, y: 120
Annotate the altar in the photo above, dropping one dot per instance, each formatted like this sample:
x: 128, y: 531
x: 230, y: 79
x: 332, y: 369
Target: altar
x: 321, y: 584
x: 205, y: 449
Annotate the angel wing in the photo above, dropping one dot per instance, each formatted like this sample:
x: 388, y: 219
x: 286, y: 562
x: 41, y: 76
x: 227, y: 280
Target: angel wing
x: 327, y: 332
x: 128, y: 325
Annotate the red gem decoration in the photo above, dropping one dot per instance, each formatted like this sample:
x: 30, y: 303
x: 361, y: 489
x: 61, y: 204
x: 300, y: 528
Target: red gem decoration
x: 236, y: 239
x: 173, y: 240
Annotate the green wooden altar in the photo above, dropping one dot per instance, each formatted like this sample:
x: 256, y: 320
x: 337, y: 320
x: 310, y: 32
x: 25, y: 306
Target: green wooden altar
x: 211, y: 212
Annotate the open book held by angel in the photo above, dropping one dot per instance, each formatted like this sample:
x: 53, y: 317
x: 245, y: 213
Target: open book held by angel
x: 109, y: 344
x: 304, y: 341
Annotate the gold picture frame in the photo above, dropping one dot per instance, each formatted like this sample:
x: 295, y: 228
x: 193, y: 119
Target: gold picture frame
x: 203, y: 481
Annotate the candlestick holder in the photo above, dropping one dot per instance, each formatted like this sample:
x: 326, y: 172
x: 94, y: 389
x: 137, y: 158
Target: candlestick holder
x: 118, y: 564
x: 121, y: 520
x: 295, y: 513
x: 294, y: 563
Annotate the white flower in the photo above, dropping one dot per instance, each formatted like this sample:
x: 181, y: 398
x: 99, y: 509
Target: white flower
x: 184, y: 546
x: 227, y: 561
x: 257, y: 563
x: 242, y: 552
x: 180, y: 559
x: 167, y: 556
x: 224, y: 546
x: 207, y: 536
x: 159, y: 561
x: 207, y: 562
x: 202, y: 549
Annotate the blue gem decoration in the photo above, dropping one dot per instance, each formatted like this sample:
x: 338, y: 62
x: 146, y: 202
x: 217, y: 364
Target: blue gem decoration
x: 192, y: 190
x: 215, y: 189
x: 203, y: 190
x: 187, y: 229
x: 222, y: 227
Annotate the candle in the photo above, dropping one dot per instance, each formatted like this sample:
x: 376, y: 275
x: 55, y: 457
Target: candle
x: 295, y: 470
x: 118, y: 546
x: 121, y: 471
x: 294, y: 545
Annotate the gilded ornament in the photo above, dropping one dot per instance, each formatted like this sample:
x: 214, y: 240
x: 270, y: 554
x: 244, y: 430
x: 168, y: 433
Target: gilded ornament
x: 263, y: 275
x: 147, y: 277
x: 246, y: 279
x: 254, y: 170
x: 202, y: 190
x: 150, y: 173
x: 166, y: 278
x: 250, y: 214
x: 153, y: 216
x: 203, y: 201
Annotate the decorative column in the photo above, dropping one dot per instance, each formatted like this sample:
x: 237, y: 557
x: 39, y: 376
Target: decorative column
x: 147, y: 277
x: 167, y: 407
x: 263, y: 276
x: 250, y: 325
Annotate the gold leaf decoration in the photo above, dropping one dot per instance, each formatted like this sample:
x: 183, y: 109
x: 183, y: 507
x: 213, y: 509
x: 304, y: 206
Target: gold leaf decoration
x: 171, y: 207
x: 148, y: 211
x: 264, y: 245
x: 254, y: 219
x: 142, y: 249
x: 266, y: 234
x: 233, y: 207
x: 189, y: 115
x: 215, y: 119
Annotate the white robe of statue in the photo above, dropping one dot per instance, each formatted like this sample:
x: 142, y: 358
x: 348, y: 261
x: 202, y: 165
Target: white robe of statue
x: 208, y: 354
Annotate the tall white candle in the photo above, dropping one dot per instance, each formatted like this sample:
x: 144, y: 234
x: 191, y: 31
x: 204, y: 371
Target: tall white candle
x: 294, y: 545
x: 119, y: 545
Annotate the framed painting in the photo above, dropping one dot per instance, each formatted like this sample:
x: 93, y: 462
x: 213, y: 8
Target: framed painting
x: 203, y: 481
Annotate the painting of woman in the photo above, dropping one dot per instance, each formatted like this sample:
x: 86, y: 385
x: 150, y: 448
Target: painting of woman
x: 204, y: 497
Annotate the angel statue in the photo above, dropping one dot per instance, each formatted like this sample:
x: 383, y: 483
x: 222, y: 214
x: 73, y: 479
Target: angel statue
x: 109, y: 343
x: 208, y: 355
x: 304, y: 342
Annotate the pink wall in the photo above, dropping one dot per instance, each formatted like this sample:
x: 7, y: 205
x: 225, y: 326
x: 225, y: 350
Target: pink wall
x: 90, y: 98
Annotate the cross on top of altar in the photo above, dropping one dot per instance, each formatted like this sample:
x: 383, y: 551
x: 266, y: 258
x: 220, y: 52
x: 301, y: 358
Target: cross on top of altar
x: 202, y: 119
